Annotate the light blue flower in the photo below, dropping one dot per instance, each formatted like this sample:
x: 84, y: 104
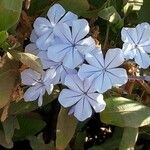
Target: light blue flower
x: 32, y: 48
x: 44, y: 28
x: 104, y: 72
x: 74, y: 45
x: 38, y: 84
x: 137, y: 44
x: 81, y: 98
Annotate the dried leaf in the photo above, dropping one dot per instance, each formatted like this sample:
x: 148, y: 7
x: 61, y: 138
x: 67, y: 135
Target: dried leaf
x: 4, y: 114
x: 8, y: 77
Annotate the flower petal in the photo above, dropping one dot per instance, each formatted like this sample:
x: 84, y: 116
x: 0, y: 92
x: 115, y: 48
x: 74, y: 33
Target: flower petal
x: 87, y: 71
x: 118, y: 76
x: 58, y: 52
x: 68, y: 18
x: 145, y: 48
x: 42, y: 26
x: 73, y: 58
x: 142, y: 58
x: 32, y: 49
x: 49, y: 75
x: 86, y: 45
x: 57, y: 78
x: 30, y: 77
x: 129, y: 35
x: 68, y: 97
x: 129, y: 51
x: 66, y: 71
x: 34, y: 92
x: 64, y: 33
x: 82, y: 110
x: 49, y: 88
x: 44, y: 41
x: 33, y: 36
x: 96, y: 101
x: 102, y: 83
x: 143, y: 32
x: 46, y: 62
x: 55, y: 13
x: 114, y: 58
x: 95, y: 58
x: 40, y: 100
x: 74, y: 83
x: 80, y: 28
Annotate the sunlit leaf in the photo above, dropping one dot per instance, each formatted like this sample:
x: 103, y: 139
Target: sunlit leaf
x: 129, y: 138
x: 110, y: 14
x: 125, y: 113
x: 28, y: 59
x: 132, y: 5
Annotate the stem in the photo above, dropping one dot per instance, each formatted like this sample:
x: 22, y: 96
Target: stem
x: 106, y: 38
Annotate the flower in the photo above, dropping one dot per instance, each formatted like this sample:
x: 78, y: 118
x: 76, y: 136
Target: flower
x: 103, y: 72
x: 80, y: 97
x: 73, y: 48
x: 44, y: 28
x: 60, y: 69
x: 137, y: 44
x: 46, y: 63
x: 39, y: 84
x: 32, y: 48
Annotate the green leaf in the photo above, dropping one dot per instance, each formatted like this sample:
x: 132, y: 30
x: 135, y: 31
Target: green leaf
x: 23, y: 107
x: 3, y: 37
x: 29, y: 126
x: 36, y: 6
x: 79, y: 141
x: 9, y: 126
x: 110, y: 14
x: 8, y: 76
x: 28, y: 59
x: 37, y: 143
x: 77, y: 6
x: 97, y: 3
x: 143, y: 14
x: 66, y: 126
x: 9, y: 13
x: 124, y: 112
x: 129, y: 138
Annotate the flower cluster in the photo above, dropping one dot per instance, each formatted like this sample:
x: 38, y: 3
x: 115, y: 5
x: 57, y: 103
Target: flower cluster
x: 70, y: 57
x: 137, y: 44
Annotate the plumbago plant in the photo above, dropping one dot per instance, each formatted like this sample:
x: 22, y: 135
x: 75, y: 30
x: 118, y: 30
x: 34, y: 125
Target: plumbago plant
x: 74, y: 74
